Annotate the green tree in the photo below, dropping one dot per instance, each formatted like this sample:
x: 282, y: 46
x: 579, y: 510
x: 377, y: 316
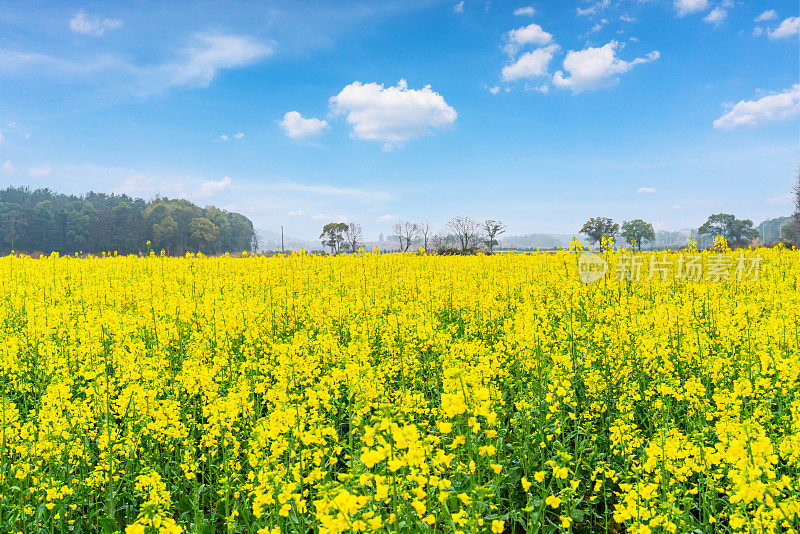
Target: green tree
x: 492, y: 229
x: 737, y: 232
x: 203, y: 233
x: 183, y: 212
x: 122, y: 222
x: 638, y: 231
x: 12, y: 223
x: 220, y: 219
x: 80, y: 217
x: 44, y: 221
x: 163, y: 232
x: 44, y: 216
x: 597, y: 227
x: 239, y: 234
x: 333, y: 236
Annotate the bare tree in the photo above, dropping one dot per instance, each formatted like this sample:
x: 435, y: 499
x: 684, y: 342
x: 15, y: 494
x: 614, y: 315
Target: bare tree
x: 397, y: 229
x: 354, y: 235
x: 466, y: 230
x: 492, y: 229
x: 425, y: 232
x: 440, y: 241
x: 406, y: 232
x: 410, y: 234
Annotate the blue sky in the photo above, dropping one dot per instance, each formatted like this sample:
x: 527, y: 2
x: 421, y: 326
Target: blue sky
x: 539, y: 114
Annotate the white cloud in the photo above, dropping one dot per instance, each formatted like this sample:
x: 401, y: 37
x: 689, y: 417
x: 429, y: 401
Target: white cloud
x: 532, y: 34
x: 544, y: 88
x: 92, y: 24
x: 774, y: 107
x: 526, y: 11
x: 494, y: 89
x: 319, y: 217
x: 530, y: 64
x: 386, y: 218
x: 626, y: 18
x: 767, y: 16
x: 594, y: 8
x: 2, y: 139
x: 758, y: 30
x: 296, y: 213
x: 298, y: 127
x: 686, y: 7
x: 11, y: 60
x: 356, y: 193
x: 459, y: 7
x: 212, y: 187
x: 716, y: 16
x: 262, y: 199
x: 40, y: 170
x: 195, y: 66
x: 392, y: 114
x: 646, y: 190
x: 210, y: 53
x: 598, y: 26
x: 594, y: 67
x: 86, y: 176
x: 226, y: 137
x: 787, y: 28
x: 8, y: 167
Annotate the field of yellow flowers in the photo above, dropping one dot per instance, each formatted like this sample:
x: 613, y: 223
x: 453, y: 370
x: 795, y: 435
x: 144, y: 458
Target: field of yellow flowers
x: 396, y: 393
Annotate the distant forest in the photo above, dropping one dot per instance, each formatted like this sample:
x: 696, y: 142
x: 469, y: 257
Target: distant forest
x: 43, y: 221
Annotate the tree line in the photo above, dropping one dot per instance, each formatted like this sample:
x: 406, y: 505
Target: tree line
x: 462, y: 235
x: 43, y: 221
x: 465, y: 235
x: 737, y: 232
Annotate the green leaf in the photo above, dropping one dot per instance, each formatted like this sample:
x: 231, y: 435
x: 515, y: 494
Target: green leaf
x: 108, y: 525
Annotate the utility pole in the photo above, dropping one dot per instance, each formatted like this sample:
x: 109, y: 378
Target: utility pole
x: 282, y: 249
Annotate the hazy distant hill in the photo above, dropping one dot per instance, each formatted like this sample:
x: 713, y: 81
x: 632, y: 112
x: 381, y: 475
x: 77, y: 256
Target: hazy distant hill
x: 770, y: 231
x: 534, y: 241
x: 270, y: 240
x: 671, y: 240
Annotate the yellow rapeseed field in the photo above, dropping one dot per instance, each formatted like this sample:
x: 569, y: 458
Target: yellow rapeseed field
x: 397, y: 393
